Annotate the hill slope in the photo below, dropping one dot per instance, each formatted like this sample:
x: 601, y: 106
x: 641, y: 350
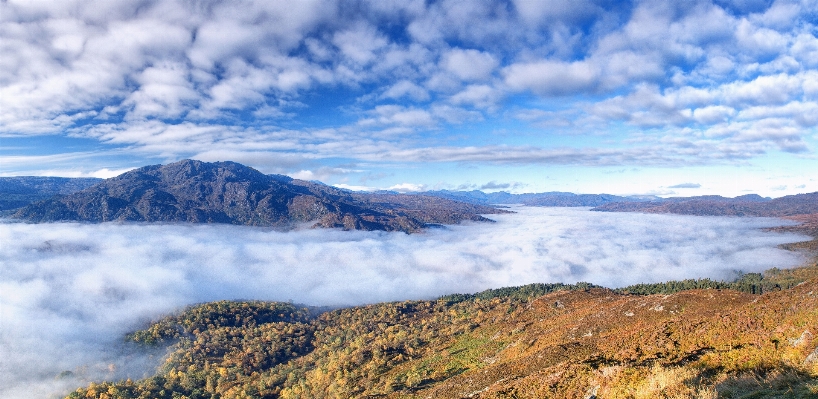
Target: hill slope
x: 748, y: 205
x: 17, y: 192
x: 228, y: 192
x: 528, y: 342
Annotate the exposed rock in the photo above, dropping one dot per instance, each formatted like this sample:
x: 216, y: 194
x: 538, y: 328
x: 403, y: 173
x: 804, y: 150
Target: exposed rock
x: 805, y: 337
x: 812, y: 358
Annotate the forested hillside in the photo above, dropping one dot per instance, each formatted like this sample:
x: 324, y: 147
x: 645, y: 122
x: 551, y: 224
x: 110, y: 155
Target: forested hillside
x: 16, y: 192
x: 747, y: 205
x: 536, y: 341
x: 227, y: 192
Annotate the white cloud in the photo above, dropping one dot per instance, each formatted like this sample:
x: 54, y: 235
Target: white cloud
x: 535, y: 12
x: 106, y: 173
x: 407, y: 187
x: 781, y: 15
x: 405, y: 88
x: 713, y: 114
x: 469, y: 64
x: 355, y: 188
x: 774, y: 89
x: 398, y: 115
x: 71, y: 291
x: 549, y: 78
x: 169, y: 78
x: 760, y: 41
x: 322, y: 174
x: 480, y: 96
x: 805, y: 49
x: 165, y: 92
x: 804, y: 113
x: 360, y: 44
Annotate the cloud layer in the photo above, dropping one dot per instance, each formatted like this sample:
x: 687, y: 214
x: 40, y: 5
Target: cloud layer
x: 70, y: 291
x: 291, y: 87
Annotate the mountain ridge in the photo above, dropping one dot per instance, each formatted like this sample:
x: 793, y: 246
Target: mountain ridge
x: 53, y: 198
x: 746, y: 205
x: 228, y: 192
x: 551, y: 198
x: 17, y: 192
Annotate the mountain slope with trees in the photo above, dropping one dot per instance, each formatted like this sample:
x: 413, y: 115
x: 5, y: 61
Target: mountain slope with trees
x: 747, y: 205
x: 17, y: 192
x: 538, y: 341
x: 228, y: 192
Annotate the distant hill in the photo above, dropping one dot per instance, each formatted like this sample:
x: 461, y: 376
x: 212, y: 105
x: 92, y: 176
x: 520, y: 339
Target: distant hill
x: 746, y: 205
x: 554, y: 198
x: 228, y: 192
x: 17, y: 192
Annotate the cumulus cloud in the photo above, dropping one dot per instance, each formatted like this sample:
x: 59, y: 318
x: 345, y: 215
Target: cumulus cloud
x: 493, y: 185
x: 405, y: 88
x: 552, y: 77
x: 686, y: 185
x: 169, y: 78
x: 469, y: 64
x: 70, y: 291
x: 407, y: 188
x: 321, y: 174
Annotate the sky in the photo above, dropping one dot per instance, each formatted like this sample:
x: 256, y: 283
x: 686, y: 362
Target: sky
x: 69, y: 292
x: 663, y: 97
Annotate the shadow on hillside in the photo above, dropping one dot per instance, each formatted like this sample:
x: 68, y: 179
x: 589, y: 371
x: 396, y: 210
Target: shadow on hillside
x: 781, y: 382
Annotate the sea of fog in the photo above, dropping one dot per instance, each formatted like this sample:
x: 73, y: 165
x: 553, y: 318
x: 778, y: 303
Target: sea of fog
x: 69, y: 292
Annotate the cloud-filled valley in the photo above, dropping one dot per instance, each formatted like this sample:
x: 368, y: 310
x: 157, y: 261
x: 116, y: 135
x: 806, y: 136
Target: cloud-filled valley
x: 69, y: 292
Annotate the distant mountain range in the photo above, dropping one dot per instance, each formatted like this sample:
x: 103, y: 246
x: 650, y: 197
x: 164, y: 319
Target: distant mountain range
x: 713, y: 205
x: 228, y: 192
x: 16, y: 192
x: 554, y: 198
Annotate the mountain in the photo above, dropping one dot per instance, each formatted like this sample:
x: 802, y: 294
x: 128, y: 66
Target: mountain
x: 554, y: 198
x: 17, y: 192
x: 536, y: 341
x: 746, y: 205
x: 228, y: 192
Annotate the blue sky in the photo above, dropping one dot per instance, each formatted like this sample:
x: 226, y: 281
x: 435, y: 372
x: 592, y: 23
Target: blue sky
x: 654, y: 97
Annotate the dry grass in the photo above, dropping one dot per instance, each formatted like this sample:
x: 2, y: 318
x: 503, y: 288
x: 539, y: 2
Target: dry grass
x: 692, y: 344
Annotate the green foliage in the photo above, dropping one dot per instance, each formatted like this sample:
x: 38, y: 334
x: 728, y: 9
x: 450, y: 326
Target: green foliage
x: 411, y: 349
x: 218, y: 314
x: 523, y: 292
x: 751, y: 283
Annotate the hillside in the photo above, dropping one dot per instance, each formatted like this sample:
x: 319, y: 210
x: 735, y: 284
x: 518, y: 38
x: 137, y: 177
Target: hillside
x: 17, y: 192
x: 748, y: 205
x: 227, y: 192
x: 538, y: 341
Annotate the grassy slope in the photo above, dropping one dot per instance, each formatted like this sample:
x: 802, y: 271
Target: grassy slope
x: 565, y: 344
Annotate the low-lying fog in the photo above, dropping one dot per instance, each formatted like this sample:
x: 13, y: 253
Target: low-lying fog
x: 69, y: 292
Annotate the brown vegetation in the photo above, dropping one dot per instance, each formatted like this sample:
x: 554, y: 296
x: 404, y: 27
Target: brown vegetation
x: 576, y: 342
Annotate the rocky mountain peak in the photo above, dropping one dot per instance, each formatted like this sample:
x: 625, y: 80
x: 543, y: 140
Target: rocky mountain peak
x: 228, y: 192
